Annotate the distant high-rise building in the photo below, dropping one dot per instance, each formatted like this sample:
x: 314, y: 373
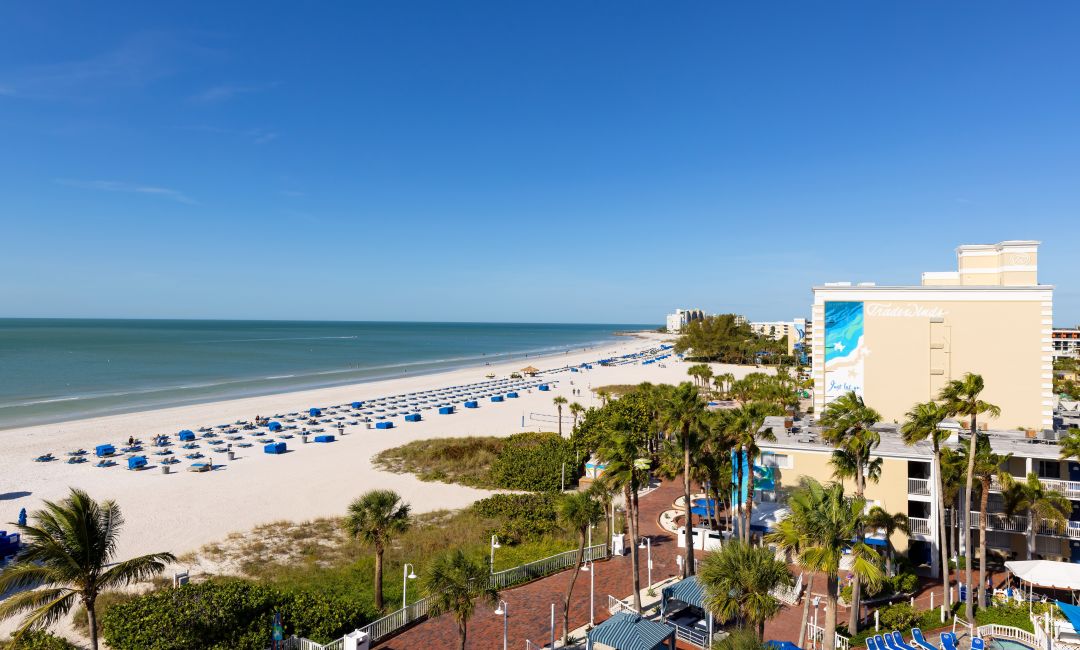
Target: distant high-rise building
x: 680, y: 318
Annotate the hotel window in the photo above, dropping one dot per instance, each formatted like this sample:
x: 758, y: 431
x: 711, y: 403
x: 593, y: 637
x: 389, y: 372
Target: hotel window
x: 1049, y: 469
x: 781, y: 461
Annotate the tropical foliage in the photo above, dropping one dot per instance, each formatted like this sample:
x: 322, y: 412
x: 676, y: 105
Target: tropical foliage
x: 739, y: 581
x: 375, y: 519
x: 727, y: 338
x: 454, y: 584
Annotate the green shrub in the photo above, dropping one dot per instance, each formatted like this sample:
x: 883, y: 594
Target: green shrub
x: 901, y: 616
x: 38, y: 640
x: 905, y: 583
x: 1010, y: 615
x: 534, y: 461
x: 523, y: 516
x: 225, y: 614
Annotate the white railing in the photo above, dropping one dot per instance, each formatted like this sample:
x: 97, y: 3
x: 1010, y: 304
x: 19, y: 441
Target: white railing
x: 1069, y: 489
x: 548, y: 565
x: 789, y: 595
x: 394, y: 621
x: 690, y: 635
x: 1008, y: 632
x: 614, y: 606
x: 298, y: 643
x: 529, y: 645
x: 816, y: 634
x: 920, y: 486
x: 918, y: 526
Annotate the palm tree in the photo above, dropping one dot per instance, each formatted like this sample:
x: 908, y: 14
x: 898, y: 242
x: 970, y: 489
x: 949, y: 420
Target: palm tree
x: 68, y: 559
x: 738, y: 582
x: 625, y: 467
x: 575, y: 411
x: 961, y: 397
x: 746, y: 424
x: 559, y: 401
x: 847, y: 423
x: 987, y: 468
x: 1045, y: 508
x: 578, y: 511
x: 682, y: 419
x: 375, y: 518
x: 882, y: 520
x: 833, y: 519
x: 921, y: 423
x: 604, y: 395
x: 790, y: 534
x: 454, y: 583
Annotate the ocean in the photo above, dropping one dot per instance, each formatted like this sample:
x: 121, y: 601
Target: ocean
x: 61, y: 369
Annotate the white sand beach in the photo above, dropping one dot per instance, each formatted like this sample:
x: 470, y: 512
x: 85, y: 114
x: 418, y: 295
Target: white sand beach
x: 182, y: 511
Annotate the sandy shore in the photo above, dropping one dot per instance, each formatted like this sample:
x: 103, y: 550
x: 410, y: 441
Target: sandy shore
x: 182, y: 511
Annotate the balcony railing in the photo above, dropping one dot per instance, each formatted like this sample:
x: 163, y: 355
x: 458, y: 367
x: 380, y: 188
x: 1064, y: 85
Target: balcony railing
x: 919, y: 526
x: 919, y: 486
x: 1019, y: 524
x: 1068, y: 489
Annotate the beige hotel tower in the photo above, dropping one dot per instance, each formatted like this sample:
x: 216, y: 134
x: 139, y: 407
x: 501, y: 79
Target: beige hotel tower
x: 898, y: 345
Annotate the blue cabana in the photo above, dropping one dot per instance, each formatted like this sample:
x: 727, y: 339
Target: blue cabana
x: 543, y: 387
x: 682, y: 604
x: 324, y: 438
x: 357, y: 405
x: 626, y: 631
x: 412, y: 417
x: 471, y: 404
x: 136, y: 462
x: 447, y: 410
x: 104, y: 450
x: 496, y: 398
x: 186, y: 435
x: 274, y: 448
x: 511, y: 395
x: 384, y: 425
x: 314, y: 412
x: 274, y: 426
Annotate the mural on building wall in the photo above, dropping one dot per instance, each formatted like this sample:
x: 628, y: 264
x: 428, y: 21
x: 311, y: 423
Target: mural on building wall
x: 845, y: 348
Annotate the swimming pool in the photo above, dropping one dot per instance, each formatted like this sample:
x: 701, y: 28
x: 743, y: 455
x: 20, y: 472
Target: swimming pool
x: 1007, y: 644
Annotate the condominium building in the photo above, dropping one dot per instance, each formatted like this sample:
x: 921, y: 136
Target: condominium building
x: 796, y: 330
x: 899, y: 345
x: 1066, y: 343
x: 680, y: 318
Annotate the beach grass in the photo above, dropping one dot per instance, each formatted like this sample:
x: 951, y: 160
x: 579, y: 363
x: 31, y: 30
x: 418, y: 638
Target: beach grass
x: 466, y: 461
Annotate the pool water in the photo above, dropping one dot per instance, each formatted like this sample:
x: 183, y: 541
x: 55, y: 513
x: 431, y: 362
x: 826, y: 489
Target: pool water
x: 1007, y: 644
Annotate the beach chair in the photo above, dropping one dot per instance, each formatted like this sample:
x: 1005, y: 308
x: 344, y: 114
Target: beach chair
x: 917, y: 637
x: 871, y: 644
x: 977, y: 643
x: 884, y: 642
x: 948, y: 641
x: 898, y: 641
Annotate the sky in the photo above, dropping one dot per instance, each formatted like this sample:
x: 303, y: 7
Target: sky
x: 524, y: 161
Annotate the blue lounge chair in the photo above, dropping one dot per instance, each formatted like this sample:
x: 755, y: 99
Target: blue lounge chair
x: 898, y: 641
x: 871, y: 644
x: 948, y: 641
x: 978, y: 644
x: 883, y: 642
x: 916, y: 635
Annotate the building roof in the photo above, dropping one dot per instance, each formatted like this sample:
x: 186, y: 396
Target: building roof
x: 626, y: 631
x: 687, y: 590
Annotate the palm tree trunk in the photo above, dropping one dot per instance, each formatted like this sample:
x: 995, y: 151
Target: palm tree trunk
x: 91, y: 620
x: 749, y: 498
x: 1031, y: 535
x: 829, y: 642
x: 969, y: 612
x: 378, y: 578
x: 688, y: 566
x: 983, y: 501
x: 942, y: 535
x: 856, y: 583
x: 462, y: 631
x: 736, y: 498
x: 634, y: 549
x: 570, y: 588
x: 560, y: 420
x: 806, y: 610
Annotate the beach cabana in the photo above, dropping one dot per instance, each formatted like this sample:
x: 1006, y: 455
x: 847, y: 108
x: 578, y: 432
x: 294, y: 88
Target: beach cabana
x: 186, y: 435
x: 626, y: 631
x: 274, y: 448
x: 412, y: 417
x: 274, y: 426
x: 496, y: 398
x: 357, y: 405
x: 682, y: 605
x: 384, y: 425
x: 543, y: 387
x: 447, y: 410
x: 314, y: 412
x: 102, y: 451
x: 472, y: 404
x: 324, y: 438
x: 530, y: 371
x: 136, y: 462
x: 512, y: 395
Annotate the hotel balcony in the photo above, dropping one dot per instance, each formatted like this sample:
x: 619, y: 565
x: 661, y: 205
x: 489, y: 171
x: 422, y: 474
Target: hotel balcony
x: 1068, y: 489
x: 1019, y: 524
x: 919, y: 526
x: 918, y: 486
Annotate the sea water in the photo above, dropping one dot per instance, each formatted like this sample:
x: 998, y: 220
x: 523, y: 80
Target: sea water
x: 60, y: 369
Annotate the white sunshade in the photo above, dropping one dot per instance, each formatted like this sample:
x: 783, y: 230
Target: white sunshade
x: 1047, y: 573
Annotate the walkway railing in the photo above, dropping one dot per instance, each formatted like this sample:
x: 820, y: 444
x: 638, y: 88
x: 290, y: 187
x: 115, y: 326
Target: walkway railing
x: 815, y: 634
x: 789, y: 595
x: 541, y: 568
x: 692, y: 636
x: 614, y: 606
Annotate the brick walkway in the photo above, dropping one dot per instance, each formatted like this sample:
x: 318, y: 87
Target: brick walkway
x: 530, y: 605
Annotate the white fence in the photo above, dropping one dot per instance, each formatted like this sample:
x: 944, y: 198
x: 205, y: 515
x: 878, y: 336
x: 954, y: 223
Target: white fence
x: 919, y: 486
x: 394, y: 621
x: 918, y: 525
x: 1014, y: 633
x: 789, y: 595
x: 815, y: 635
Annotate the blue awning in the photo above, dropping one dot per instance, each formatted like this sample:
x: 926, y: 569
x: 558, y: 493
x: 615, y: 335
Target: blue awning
x: 783, y: 645
x: 1071, y: 612
x: 626, y: 631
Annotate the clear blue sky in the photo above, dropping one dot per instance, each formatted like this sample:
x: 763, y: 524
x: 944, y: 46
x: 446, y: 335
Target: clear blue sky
x: 524, y: 161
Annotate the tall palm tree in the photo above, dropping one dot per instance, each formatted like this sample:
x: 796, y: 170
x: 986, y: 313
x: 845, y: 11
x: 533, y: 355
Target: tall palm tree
x: 790, y: 535
x: 68, y: 559
x: 888, y: 523
x: 1045, y: 508
x: 961, y: 398
x: 559, y: 401
x: 577, y: 511
x: 626, y: 467
x: 847, y: 423
x: 921, y: 423
x: 987, y: 468
x: 375, y: 518
x: 746, y: 424
x: 576, y: 410
x: 682, y: 419
x: 454, y: 583
x: 1070, y: 445
x: 738, y: 582
x: 833, y: 520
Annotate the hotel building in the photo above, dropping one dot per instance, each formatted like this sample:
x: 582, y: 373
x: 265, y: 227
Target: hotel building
x: 680, y: 318
x: 1066, y: 343
x: 798, y: 332
x: 899, y: 345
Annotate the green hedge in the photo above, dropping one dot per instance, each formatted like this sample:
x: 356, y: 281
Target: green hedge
x: 225, y: 614
x: 1010, y: 615
x: 523, y: 516
x: 39, y: 640
x: 534, y: 461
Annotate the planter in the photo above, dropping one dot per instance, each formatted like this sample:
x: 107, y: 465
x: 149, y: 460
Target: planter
x: 165, y: 469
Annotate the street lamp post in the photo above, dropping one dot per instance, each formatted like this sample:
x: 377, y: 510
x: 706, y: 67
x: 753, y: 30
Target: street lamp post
x: 590, y: 567
x: 646, y: 542
x: 407, y: 574
x: 503, y: 610
x: 494, y: 545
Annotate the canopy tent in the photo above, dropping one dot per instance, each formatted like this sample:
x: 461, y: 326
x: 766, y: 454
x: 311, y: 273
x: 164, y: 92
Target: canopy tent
x: 530, y: 370
x: 1071, y: 612
x: 1047, y: 573
x: 687, y: 590
x: 626, y: 631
